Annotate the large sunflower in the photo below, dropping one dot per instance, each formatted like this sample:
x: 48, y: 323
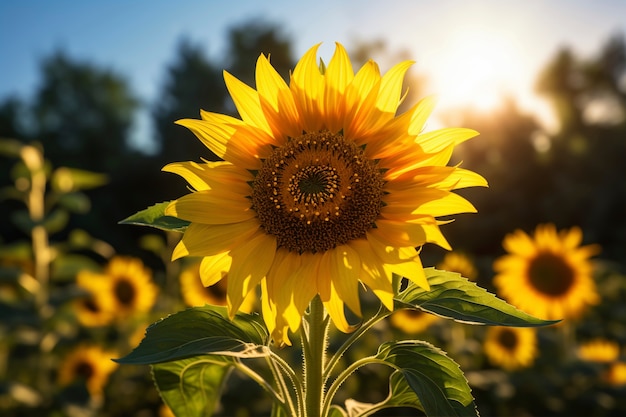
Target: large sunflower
x: 90, y: 364
x: 511, y: 348
x: 322, y: 186
x: 548, y: 275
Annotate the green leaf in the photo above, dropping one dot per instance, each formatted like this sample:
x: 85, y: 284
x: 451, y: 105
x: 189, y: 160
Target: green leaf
x: 154, y: 216
x: 75, y: 202
x: 455, y: 297
x: 192, y: 386
x: 436, y: 379
x: 56, y: 221
x: 401, y: 394
x: 336, y: 411
x: 198, y: 331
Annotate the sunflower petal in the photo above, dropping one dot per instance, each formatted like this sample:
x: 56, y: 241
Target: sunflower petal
x: 250, y: 262
x: 246, y: 100
x: 211, y: 207
x: 345, y: 265
x: 211, y: 239
x: 214, y: 268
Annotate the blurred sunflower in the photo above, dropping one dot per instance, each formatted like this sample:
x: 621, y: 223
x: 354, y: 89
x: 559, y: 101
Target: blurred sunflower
x: 511, y: 348
x: 130, y: 285
x: 599, y: 350
x: 194, y: 292
x: 549, y: 275
x: 322, y: 186
x: 616, y: 374
x: 95, y: 309
x: 412, y: 321
x: 460, y: 263
x: 89, y: 364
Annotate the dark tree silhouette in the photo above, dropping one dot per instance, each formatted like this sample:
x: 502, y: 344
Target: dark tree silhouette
x: 83, y: 114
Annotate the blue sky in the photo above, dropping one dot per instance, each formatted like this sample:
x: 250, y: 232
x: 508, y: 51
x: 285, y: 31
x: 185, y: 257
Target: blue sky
x: 453, y: 41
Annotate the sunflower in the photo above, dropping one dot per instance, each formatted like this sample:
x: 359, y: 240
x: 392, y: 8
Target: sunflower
x: 412, y: 321
x: 196, y: 294
x: 90, y: 364
x: 322, y: 187
x: 130, y: 285
x: 96, y: 308
x: 460, y: 263
x: 616, y: 374
x: 599, y: 350
x: 511, y: 348
x: 549, y: 275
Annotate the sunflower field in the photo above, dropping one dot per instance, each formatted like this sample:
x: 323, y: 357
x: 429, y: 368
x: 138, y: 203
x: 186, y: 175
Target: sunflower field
x: 304, y: 211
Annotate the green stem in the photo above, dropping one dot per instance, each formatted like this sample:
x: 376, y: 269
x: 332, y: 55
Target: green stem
x: 381, y: 314
x: 314, y: 352
x: 281, y: 385
x: 332, y: 390
x: 280, y: 364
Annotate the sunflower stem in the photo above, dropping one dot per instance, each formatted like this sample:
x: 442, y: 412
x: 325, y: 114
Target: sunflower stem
x: 314, y: 352
x: 381, y: 314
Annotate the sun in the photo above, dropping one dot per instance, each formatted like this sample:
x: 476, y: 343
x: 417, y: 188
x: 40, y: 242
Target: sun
x: 476, y: 68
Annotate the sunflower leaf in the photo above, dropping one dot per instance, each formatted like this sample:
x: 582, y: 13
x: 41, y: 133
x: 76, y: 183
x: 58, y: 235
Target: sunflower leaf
x: 200, y: 331
x: 192, y: 386
x: 454, y: 297
x: 438, y: 383
x: 154, y: 216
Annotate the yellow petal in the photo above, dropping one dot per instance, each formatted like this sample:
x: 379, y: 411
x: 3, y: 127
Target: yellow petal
x: 412, y: 270
x: 210, y: 175
x: 246, y: 100
x: 211, y: 239
x: 345, y: 265
x: 212, y: 207
x: 214, y: 268
x: 242, y: 145
x: 420, y: 115
x: 275, y: 325
x: 307, y: 86
x: 391, y: 88
x: 373, y: 274
x: 251, y: 260
x: 338, y: 76
x: 401, y: 234
x: 385, y: 251
x: 437, y: 140
x: 277, y: 101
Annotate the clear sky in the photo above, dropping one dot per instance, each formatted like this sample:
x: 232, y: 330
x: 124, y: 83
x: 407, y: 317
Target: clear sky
x: 471, y: 50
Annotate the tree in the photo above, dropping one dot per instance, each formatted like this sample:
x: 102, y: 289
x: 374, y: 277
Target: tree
x: 192, y: 83
x: 83, y: 114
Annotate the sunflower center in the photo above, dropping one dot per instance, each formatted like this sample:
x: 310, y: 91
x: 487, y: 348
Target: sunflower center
x: 124, y: 292
x: 217, y: 291
x: 550, y: 274
x: 507, y: 339
x: 83, y: 370
x: 91, y: 305
x: 316, y: 192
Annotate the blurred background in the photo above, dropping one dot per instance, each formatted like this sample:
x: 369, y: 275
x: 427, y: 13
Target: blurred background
x: 90, y: 91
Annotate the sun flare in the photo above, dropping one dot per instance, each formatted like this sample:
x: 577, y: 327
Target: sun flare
x: 475, y: 69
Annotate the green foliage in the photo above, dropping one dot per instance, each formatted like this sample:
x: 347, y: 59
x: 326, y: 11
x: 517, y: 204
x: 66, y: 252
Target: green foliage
x: 198, y: 331
x: 454, y: 297
x: 191, y: 386
x: 154, y: 216
x: 437, y: 380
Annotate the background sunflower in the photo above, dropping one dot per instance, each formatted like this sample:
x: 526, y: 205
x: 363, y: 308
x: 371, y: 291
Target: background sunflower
x: 548, y: 275
x: 511, y: 348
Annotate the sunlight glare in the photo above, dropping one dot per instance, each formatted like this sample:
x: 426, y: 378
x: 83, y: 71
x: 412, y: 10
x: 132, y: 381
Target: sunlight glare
x: 475, y: 69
